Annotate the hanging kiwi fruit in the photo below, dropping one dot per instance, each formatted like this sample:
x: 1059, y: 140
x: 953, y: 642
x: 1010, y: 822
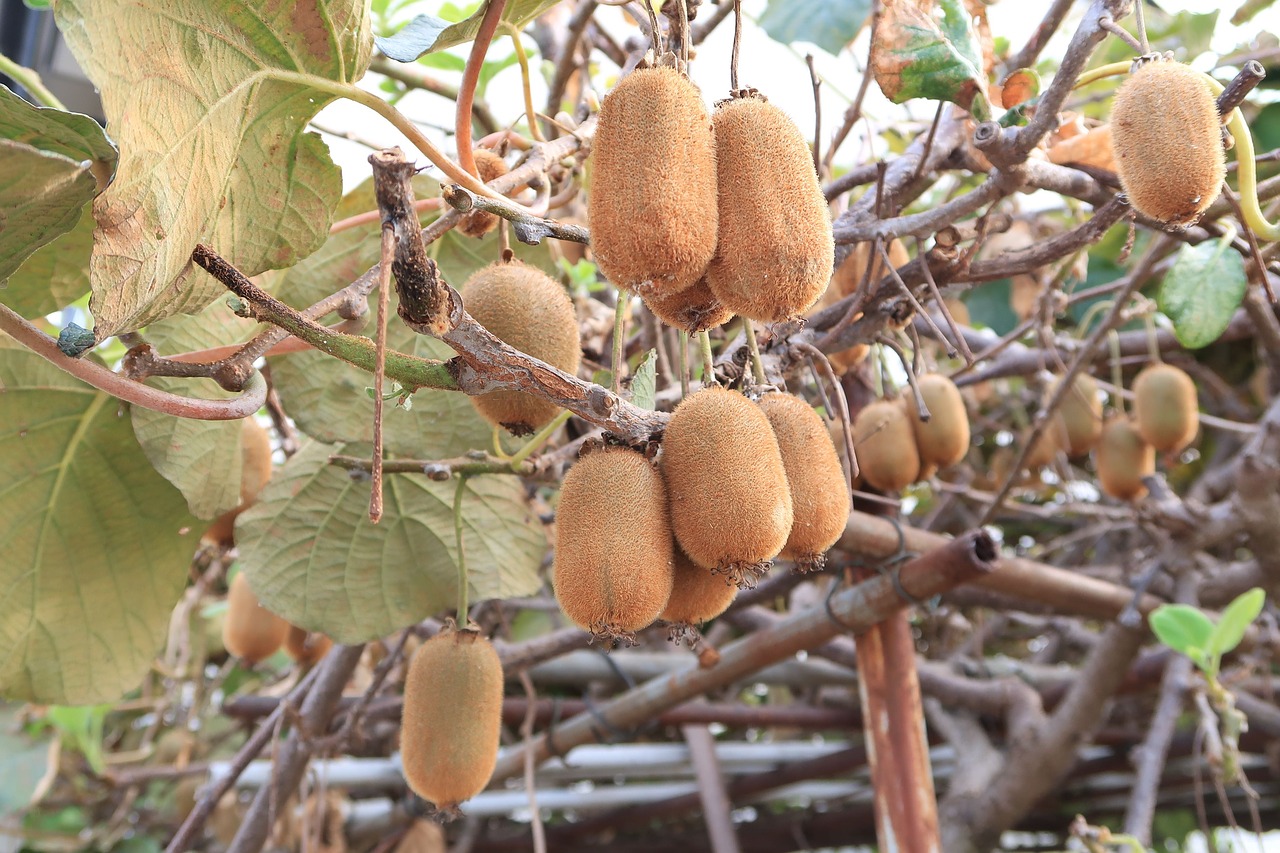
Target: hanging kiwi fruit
x: 942, y: 440
x: 251, y: 631
x: 1165, y: 407
x: 477, y: 223
x: 885, y: 444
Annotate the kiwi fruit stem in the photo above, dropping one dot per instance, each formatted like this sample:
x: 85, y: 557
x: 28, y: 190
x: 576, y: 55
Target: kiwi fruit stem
x: 462, y: 554
x: 543, y: 435
x: 708, y: 362
x: 757, y: 366
x: 1117, y: 373
x: 619, y: 338
x: 531, y: 115
x: 684, y: 364
x: 1239, y: 128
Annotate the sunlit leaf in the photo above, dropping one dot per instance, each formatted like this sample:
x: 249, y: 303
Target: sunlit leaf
x: 1235, y: 621
x: 314, y: 557
x: 429, y: 33
x: 208, y: 103
x: 930, y: 54
x: 829, y: 25
x: 1202, y: 290
x: 1182, y: 628
x: 644, y: 383
x: 95, y: 543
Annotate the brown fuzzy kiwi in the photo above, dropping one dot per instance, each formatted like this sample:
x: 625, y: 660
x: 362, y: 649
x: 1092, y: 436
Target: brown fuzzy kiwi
x: 613, y: 561
x: 885, y: 445
x: 694, y: 309
x: 819, y: 491
x: 255, y: 471
x: 452, y: 717
x: 529, y: 310
x: 1167, y: 139
x: 306, y: 647
x: 943, y: 440
x: 251, y: 631
x: 1165, y: 407
x: 477, y: 223
x: 1123, y: 459
x: 1052, y: 440
x: 775, y: 249
x: 1082, y: 413
x: 730, y: 504
x: 848, y: 276
x: 697, y: 594
x: 652, y: 210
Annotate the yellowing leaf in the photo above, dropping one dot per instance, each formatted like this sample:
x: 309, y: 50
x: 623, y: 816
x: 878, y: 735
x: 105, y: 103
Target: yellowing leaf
x: 208, y: 102
x: 314, y: 558
x: 94, y: 544
x: 930, y: 53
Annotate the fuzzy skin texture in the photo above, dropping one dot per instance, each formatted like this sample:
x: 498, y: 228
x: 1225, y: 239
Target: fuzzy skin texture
x: 452, y: 717
x: 694, y: 309
x: 819, y: 490
x: 697, y: 594
x: 885, y: 445
x: 1123, y: 459
x: 251, y: 631
x: 613, y: 560
x: 652, y: 207
x: 529, y: 310
x: 478, y: 223
x: 1081, y: 411
x: 1167, y: 139
x: 1165, y: 407
x: 305, y: 647
x: 775, y: 250
x: 730, y: 504
x: 944, y: 439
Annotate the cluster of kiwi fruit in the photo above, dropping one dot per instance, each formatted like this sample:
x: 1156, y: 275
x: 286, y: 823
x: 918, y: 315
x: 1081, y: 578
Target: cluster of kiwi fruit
x: 737, y: 484
x: 897, y: 445
x: 702, y: 216
x: 1166, y: 418
x: 451, y: 721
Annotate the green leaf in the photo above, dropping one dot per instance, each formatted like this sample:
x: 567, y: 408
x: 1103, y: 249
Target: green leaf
x: 24, y: 760
x: 429, y: 33
x: 96, y: 544
x: 209, y: 103
x: 644, y: 384
x: 917, y: 54
x: 81, y: 728
x: 75, y: 136
x: 1182, y: 628
x: 41, y: 194
x: 201, y: 458
x: 829, y: 25
x: 1201, y: 292
x: 314, y: 557
x: 56, y: 275
x: 1235, y: 621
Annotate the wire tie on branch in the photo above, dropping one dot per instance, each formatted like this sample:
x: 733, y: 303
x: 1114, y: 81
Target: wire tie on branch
x: 889, y: 567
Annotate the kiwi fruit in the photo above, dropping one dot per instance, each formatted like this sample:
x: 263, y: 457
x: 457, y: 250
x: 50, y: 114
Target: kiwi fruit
x: 697, y: 593
x: 652, y: 208
x: 613, y: 560
x: 885, y: 444
x: 251, y: 631
x: 477, y: 223
x: 943, y: 440
x: 1123, y: 459
x: 1052, y: 440
x: 848, y: 276
x: 1081, y: 412
x: 255, y: 471
x: 530, y: 311
x: 1167, y: 139
x: 1165, y: 407
x: 775, y: 250
x: 306, y: 647
x: 694, y: 309
x: 731, y: 507
x: 452, y: 717
x: 819, y: 491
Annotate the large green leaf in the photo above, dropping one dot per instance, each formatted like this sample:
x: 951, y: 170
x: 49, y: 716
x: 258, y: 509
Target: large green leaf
x: 201, y: 458
x: 1202, y: 290
x: 41, y: 194
x: 934, y: 54
x: 72, y: 135
x: 829, y: 25
x: 96, y: 544
x: 56, y: 274
x: 314, y: 557
x: 208, y: 102
x: 429, y: 33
